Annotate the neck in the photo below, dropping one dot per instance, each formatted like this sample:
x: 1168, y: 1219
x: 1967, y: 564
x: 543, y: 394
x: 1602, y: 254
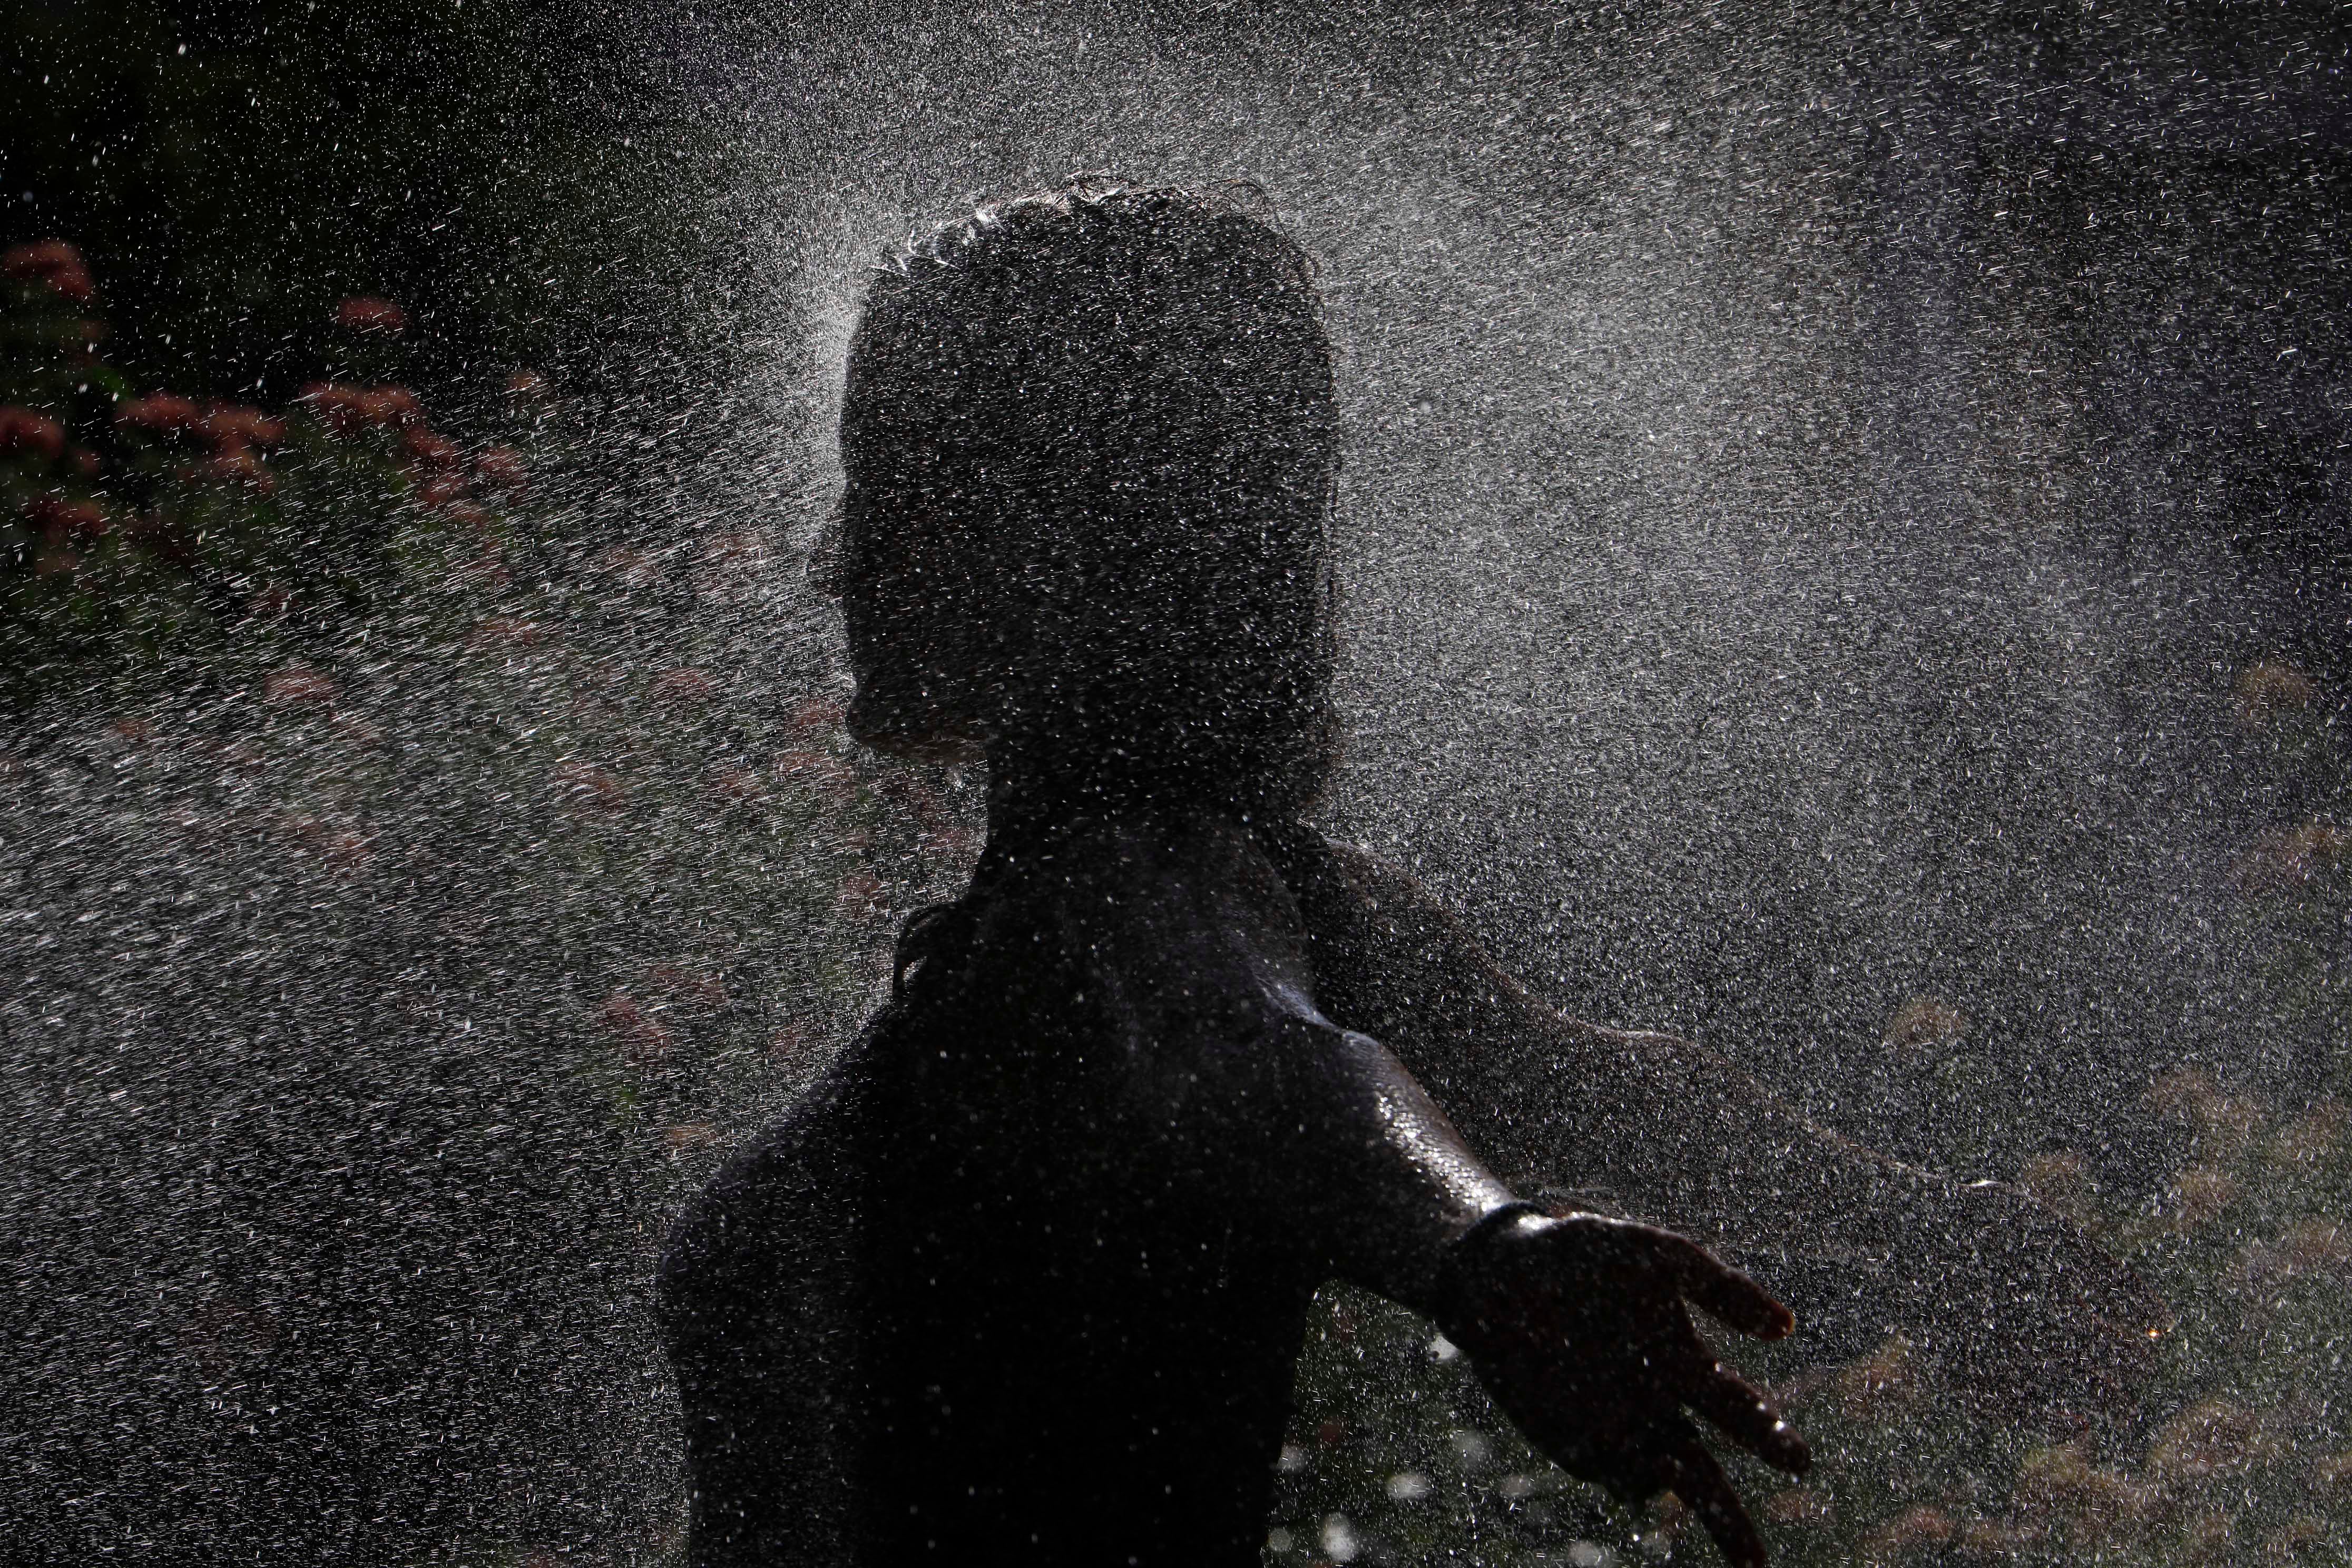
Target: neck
x: 1030, y: 793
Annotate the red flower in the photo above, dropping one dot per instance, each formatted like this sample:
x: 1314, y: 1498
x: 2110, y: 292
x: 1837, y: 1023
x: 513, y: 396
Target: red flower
x: 681, y: 982
x: 2287, y: 858
x: 342, y: 850
x: 366, y: 313
x: 342, y: 409
x: 53, y: 264
x: 589, y: 786
x: 683, y: 686
x: 394, y: 405
x: 501, y: 469
x: 2269, y: 689
x: 227, y: 424
x: 439, y: 492
x: 498, y: 630
x: 347, y: 410
x: 1921, y: 1526
x: 921, y: 800
x: 860, y: 897
x: 1797, y: 1506
x: 161, y: 413
x: 632, y: 568
x: 734, y: 784
x: 817, y: 716
x: 950, y: 844
x: 298, y: 683
x: 828, y: 777
x: 644, y: 1040
x: 727, y: 549
x: 22, y: 430
x: 63, y: 523
x: 428, y: 448
x: 233, y: 466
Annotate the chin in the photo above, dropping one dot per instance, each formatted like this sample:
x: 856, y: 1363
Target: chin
x: 890, y: 734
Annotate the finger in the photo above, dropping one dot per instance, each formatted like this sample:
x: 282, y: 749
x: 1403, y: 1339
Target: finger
x: 1690, y: 1472
x: 1747, y: 1418
x: 1723, y: 1291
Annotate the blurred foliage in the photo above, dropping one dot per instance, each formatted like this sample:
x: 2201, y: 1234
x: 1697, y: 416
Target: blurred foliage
x: 336, y: 668
x: 2241, y: 1449
x: 138, y: 530
x: 356, y: 683
x: 234, y: 169
x: 2294, y: 877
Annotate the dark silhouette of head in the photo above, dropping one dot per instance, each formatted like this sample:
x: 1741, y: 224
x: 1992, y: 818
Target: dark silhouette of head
x: 1090, y: 447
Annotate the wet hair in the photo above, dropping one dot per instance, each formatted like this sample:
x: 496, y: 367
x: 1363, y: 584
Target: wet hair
x: 1090, y: 444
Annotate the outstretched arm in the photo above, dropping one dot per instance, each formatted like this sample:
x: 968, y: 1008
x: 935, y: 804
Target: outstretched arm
x: 2013, y: 1299
x: 1225, y: 1080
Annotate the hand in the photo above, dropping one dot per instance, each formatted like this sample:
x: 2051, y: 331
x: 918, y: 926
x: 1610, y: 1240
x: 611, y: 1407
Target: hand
x: 1578, y: 1328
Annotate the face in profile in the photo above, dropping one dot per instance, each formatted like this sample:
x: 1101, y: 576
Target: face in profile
x: 1090, y: 447
x: 909, y: 702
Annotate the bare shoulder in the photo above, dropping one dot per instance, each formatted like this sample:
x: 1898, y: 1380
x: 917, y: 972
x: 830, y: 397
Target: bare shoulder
x: 1160, y: 899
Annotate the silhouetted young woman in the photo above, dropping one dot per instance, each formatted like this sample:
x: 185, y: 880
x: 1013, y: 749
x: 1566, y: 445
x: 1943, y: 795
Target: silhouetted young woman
x: 1023, y: 1277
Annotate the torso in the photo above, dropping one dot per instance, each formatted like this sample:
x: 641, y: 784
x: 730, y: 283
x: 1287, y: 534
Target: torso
x: 951, y: 1308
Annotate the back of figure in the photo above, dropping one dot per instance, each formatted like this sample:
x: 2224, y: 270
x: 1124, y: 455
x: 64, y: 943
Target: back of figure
x: 954, y: 1300
x: 1088, y: 441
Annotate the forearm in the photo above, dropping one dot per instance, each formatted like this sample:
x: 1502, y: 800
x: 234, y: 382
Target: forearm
x: 1379, y: 1175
